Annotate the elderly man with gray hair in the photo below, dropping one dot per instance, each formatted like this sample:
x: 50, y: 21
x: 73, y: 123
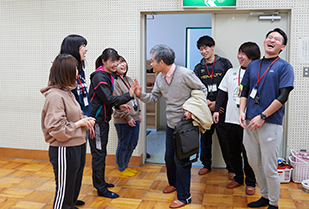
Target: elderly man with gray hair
x: 175, y: 84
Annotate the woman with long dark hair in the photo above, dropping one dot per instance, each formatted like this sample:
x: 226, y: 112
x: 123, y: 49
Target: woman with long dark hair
x: 76, y: 46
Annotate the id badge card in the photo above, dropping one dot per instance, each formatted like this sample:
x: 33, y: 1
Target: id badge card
x: 237, y: 101
x: 253, y: 93
x: 212, y: 87
x: 85, y: 101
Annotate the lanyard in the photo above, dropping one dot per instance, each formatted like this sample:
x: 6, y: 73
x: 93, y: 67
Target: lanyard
x: 213, y: 69
x: 128, y: 85
x: 84, y: 92
x: 239, y: 77
x: 239, y: 86
x: 260, y: 78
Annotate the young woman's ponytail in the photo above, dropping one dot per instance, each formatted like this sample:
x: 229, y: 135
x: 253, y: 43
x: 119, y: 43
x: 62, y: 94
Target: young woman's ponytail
x: 106, y: 54
x: 98, y: 62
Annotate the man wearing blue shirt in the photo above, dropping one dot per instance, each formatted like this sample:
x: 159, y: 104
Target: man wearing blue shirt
x: 266, y: 87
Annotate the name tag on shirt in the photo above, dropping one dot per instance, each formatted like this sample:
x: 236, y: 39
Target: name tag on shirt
x: 253, y: 93
x: 86, y: 101
x: 212, y: 87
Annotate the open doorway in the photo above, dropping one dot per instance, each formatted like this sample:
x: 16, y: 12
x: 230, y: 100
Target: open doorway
x: 172, y: 30
x: 229, y: 30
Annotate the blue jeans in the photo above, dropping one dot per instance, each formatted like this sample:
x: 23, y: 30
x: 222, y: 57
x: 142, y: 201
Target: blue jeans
x: 178, y: 176
x: 127, y: 141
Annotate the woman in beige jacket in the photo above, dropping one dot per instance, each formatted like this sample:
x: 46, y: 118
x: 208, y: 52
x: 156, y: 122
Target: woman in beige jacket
x: 127, y: 123
x: 64, y: 128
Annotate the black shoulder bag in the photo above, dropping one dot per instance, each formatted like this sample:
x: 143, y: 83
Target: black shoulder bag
x: 186, y: 140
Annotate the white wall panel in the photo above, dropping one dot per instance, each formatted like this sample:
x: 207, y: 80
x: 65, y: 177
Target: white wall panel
x: 31, y: 32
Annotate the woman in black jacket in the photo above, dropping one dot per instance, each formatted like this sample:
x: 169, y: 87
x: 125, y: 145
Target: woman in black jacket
x: 102, y: 101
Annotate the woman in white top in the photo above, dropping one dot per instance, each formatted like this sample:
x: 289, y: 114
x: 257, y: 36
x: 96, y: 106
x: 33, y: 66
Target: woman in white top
x: 230, y: 89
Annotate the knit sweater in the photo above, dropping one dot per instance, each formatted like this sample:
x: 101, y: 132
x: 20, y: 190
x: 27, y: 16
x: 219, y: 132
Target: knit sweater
x: 175, y: 93
x: 121, y: 116
x: 60, y: 113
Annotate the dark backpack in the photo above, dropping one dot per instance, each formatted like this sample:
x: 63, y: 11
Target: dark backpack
x: 186, y: 140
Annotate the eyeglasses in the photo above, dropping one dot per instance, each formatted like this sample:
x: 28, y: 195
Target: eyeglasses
x: 274, y: 37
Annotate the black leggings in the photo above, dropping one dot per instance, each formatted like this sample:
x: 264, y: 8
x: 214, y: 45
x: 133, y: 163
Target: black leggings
x: 238, y: 156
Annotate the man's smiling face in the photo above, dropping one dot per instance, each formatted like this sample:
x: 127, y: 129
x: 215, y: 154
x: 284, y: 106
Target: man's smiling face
x: 273, y: 44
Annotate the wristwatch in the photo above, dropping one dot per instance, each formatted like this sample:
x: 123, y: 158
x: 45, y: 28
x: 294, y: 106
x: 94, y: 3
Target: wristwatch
x: 263, y: 117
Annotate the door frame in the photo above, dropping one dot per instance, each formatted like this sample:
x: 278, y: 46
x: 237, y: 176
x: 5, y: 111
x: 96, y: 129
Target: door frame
x: 143, y: 37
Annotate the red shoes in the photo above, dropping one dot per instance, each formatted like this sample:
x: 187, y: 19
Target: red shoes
x: 203, y: 171
x: 177, y: 204
x: 232, y: 185
x: 250, y: 190
x: 169, y: 189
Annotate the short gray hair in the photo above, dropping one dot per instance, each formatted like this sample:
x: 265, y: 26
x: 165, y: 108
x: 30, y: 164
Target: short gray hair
x: 164, y: 53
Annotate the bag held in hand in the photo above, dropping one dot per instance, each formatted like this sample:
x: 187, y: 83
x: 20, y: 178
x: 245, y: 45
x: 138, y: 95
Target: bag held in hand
x: 186, y: 140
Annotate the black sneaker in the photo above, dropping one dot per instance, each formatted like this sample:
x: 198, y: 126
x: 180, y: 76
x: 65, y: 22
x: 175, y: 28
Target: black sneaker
x: 261, y: 202
x: 80, y: 202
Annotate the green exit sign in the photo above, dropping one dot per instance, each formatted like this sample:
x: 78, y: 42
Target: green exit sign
x: 209, y: 3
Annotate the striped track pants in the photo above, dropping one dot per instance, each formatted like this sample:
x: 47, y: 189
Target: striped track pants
x: 68, y: 164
